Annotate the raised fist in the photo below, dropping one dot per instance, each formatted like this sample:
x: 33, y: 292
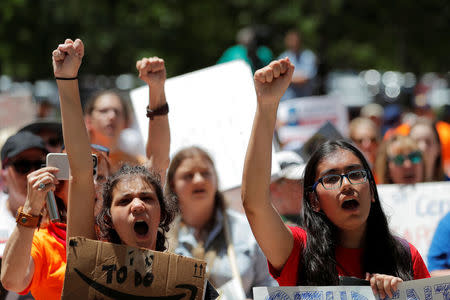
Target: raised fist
x: 152, y: 71
x: 67, y: 58
x: 272, y: 81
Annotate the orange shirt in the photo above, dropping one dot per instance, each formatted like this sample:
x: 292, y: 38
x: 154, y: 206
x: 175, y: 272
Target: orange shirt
x: 49, y: 257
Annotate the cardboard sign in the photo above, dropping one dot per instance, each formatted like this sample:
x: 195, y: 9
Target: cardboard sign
x: 212, y: 108
x: 437, y: 288
x: 99, y: 270
x: 414, y: 210
x: 299, y: 119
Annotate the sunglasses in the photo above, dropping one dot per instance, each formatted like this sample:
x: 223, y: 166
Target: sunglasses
x: 54, y: 142
x: 24, y: 166
x: 414, y: 157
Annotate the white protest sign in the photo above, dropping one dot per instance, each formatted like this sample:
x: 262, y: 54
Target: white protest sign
x: 437, y: 288
x: 212, y: 108
x: 415, y: 210
x: 298, y: 119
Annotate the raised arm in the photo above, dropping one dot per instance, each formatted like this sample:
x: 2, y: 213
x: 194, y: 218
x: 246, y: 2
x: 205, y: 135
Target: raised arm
x: 80, y: 211
x: 153, y: 72
x: 17, y: 264
x: 274, y: 238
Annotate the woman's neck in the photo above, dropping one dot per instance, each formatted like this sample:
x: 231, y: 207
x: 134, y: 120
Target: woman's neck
x: 352, y: 238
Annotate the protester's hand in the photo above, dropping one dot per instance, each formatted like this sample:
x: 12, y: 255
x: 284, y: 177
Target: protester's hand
x: 383, y: 284
x: 67, y: 58
x: 272, y: 81
x: 153, y: 71
x: 39, y: 183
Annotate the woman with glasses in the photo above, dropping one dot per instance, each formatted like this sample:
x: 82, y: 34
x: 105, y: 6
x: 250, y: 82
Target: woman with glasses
x: 345, y: 232
x: 399, y: 160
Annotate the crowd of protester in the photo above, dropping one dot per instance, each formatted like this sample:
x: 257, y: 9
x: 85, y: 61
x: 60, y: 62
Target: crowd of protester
x: 294, y: 232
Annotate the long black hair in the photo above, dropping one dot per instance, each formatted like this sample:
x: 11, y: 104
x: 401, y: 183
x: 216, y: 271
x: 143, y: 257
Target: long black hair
x: 167, y: 205
x: 383, y: 253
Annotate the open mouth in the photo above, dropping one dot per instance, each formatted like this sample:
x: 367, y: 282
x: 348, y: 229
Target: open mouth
x: 350, y: 204
x: 198, y: 191
x: 141, y: 227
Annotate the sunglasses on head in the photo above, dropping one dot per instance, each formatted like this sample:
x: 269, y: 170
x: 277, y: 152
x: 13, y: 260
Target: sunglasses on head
x: 25, y: 166
x: 415, y: 157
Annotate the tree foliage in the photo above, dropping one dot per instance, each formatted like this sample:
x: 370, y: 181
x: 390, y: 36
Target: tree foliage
x: 401, y: 35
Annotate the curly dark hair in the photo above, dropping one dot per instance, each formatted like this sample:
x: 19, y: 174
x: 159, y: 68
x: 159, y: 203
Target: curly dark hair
x: 383, y: 253
x: 167, y: 205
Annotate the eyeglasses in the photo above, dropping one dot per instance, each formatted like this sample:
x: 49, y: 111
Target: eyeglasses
x: 100, y: 148
x: 372, y: 140
x: 24, y: 166
x: 334, y: 181
x: 415, y: 157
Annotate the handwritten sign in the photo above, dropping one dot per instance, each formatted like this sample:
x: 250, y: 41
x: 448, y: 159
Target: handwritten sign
x: 415, y: 210
x: 437, y: 288
x: 99, y: 270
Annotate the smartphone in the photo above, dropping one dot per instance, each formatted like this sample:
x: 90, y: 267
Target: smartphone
x: 61, y: 161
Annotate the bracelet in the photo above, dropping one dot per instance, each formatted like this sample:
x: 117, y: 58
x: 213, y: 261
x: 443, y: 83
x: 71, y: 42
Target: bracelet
x: 27, y: 220
x: 160, y: 111
x: 65, y: 78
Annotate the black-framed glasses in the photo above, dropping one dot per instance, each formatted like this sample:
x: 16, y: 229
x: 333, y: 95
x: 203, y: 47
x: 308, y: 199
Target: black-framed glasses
x: 334, y: 181
x: 25, y: 166
x: 414, y: 157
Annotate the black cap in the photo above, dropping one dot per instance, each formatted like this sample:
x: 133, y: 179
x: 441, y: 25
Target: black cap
x: 20, y: 142
x: 44, y: 124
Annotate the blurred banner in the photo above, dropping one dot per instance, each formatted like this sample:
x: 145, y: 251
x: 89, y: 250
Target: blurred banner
x: 299, y: 119
x: 212, y: 108
x: 17, y: 110
x: 414, y: 211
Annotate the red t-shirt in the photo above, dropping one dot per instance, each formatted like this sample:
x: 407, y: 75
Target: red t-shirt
x: 349, y: 261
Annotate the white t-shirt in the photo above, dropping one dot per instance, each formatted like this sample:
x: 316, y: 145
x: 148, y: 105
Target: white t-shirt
x: 7, y: 222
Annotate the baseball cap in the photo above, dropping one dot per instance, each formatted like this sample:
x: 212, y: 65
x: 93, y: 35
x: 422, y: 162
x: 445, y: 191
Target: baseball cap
x: 44, y: 124
x: 291, y: 165
x: 21, y: 141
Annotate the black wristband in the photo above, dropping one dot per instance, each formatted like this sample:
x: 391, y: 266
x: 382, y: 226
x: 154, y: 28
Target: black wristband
x: 160, y: 111
x: 65, y: 78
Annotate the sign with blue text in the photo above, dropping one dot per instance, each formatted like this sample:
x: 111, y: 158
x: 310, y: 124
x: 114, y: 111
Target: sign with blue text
x: 436, y: 288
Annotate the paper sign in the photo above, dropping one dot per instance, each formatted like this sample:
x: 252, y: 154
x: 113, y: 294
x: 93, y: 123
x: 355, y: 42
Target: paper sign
x: 414, y: 210
x: 437, y: 288
x: 99, y: 270
x: 298, y: 119
x: 212, y: 108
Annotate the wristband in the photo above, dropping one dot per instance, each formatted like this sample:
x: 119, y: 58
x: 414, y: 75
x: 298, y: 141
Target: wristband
x: 27, y: 220
x: 160, y: 111
x: 65, y: 78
